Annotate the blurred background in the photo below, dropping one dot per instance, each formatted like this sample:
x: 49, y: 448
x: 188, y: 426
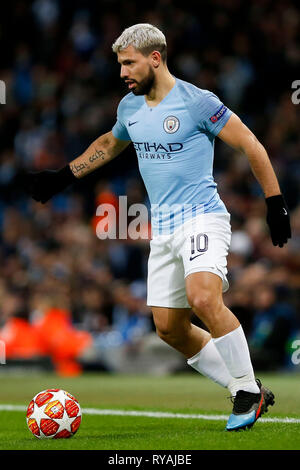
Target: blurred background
x: 70, y: 302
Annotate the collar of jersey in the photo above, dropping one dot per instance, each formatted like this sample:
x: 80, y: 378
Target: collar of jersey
x: 164, y: 98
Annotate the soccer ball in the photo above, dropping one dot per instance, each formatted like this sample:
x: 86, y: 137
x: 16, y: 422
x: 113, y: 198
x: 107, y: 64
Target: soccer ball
x: 53, y: 413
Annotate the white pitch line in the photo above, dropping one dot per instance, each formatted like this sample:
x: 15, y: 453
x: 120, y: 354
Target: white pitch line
x: 158, y: 414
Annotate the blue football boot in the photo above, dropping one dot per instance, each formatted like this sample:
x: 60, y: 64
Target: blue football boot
x: 248, y: 407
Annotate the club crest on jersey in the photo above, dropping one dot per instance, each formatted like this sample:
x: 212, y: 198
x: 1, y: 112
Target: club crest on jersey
x: 171, y: 124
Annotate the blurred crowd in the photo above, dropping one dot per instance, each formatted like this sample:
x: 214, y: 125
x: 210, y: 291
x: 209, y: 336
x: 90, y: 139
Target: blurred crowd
x: 66, y: 294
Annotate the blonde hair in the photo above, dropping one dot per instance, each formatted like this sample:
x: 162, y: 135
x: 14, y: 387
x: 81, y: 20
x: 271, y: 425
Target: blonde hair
x: 143, y: 37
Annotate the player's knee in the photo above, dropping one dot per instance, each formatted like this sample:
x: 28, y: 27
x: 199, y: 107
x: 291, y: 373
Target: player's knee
x: 173, y: 336
x: 205, y: 304
x: 166, y: 334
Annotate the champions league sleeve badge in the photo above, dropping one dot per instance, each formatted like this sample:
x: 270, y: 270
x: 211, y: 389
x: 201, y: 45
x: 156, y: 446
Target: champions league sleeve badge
x: 218, y: 114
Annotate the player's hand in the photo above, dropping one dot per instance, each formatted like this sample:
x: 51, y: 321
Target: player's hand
x: 42, y: 185
x: 278, y: 220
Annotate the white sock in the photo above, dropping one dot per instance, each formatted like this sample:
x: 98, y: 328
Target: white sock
x: 233, y: 348
x: 209, y: 363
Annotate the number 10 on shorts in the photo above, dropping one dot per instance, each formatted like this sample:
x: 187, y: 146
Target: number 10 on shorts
x: 199, y: 245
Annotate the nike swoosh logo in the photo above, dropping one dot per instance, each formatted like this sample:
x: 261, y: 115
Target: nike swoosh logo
x: 131, y: 123
x: 193, y: 257
x: 284, y: 211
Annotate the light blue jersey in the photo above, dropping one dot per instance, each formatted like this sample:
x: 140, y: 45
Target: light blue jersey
x: 174, y: 143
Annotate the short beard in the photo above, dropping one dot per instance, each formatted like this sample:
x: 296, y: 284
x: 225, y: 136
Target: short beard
x: 145, y: 85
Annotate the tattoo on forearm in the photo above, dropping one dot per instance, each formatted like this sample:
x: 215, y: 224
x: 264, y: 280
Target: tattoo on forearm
x: 80, y: 168
x: 96, y: 155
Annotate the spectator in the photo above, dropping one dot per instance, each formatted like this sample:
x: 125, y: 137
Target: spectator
x: 274, y: 323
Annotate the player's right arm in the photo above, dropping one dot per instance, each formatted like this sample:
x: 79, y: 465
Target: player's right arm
x: 101, y: 151
x: 45, y: 184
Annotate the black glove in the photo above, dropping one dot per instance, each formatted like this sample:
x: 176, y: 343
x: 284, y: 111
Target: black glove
x: 42, y: 185
x: 278, y: 220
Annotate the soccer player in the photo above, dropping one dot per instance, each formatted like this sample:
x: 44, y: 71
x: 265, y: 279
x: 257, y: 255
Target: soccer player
x: 172, y: 125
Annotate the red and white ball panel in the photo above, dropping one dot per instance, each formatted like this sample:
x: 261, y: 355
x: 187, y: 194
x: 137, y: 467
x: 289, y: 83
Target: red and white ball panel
x: 53, y: 413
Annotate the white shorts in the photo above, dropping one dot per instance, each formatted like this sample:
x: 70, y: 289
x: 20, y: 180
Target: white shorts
x: 201, y: 244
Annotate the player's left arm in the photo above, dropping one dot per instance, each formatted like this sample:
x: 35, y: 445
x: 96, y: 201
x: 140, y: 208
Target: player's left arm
x: 236, y: 134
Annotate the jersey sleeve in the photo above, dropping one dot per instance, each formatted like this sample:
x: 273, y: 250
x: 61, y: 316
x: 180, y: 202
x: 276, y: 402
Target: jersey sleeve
x: 119, y: 129
x: 213, y: 114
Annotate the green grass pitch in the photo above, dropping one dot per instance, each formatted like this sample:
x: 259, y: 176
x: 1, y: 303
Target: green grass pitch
x: 181, y: 393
